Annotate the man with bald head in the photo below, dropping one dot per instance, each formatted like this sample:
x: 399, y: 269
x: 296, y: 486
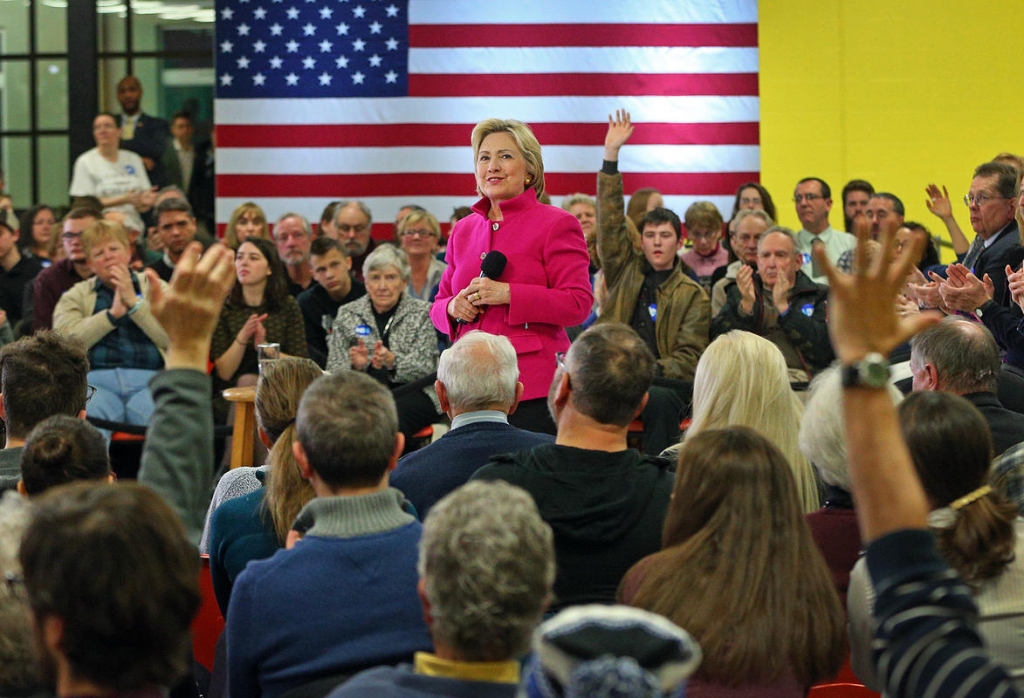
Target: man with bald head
x: 961, y: 357
x: 782, y: 304
x: 141, y: 133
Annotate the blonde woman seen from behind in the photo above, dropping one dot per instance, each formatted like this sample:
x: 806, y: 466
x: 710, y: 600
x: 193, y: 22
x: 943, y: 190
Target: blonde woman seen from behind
x: 742, y: 380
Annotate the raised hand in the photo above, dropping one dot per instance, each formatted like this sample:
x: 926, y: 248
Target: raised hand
x: 862, y: 306
x: 188, y: 310
x: 620, y: 128
x: 938, y: 202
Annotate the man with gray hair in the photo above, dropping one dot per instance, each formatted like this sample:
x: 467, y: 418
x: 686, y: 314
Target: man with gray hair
x: 478, y: 387
x: 293, y: 236
x: 481, y: 601
x: 353, y: 223
x: 342, y: 599
x: 780, y: 303
x: 605, y: 501
x: 961, y: 357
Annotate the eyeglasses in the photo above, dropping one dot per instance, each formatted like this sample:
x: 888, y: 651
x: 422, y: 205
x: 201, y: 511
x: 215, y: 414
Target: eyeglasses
x: 560, y: 360
x: 89, y: 392
x: 15, y: 585
x: 420, y: 233
x: 346, y: 228
x: 71, y: 236
x: 980, y: 199
x: 701, y: 236
x: 807, y: 197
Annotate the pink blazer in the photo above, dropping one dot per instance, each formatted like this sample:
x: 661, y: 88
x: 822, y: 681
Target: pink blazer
x: 548, y: 276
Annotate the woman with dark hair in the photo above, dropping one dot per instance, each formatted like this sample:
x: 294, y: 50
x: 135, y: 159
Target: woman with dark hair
x: 62, y: 449
x: 739, y: 570
x: 37, y: 225
x: 751, y: 196
x: 259, y: 310
x: 976, y: 529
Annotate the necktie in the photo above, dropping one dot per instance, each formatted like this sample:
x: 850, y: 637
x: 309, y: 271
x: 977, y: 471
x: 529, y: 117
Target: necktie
x: 973, y: 252
x: 128, y: 130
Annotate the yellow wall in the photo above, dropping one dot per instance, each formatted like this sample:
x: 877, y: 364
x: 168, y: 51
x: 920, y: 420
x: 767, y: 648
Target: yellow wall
x: 899, y: 93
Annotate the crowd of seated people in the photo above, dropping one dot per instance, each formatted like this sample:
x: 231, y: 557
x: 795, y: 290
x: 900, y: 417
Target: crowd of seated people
x: 346, y: 562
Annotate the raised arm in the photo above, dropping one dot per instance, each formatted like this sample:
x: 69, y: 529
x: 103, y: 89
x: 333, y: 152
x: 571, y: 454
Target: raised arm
x: 177, y: 459
x: 939, y: 204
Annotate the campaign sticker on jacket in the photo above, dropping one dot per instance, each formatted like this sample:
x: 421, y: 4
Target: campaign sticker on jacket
x: 807, y: 309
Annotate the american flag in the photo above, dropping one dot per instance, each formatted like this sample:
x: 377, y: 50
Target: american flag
x: 319, y: 100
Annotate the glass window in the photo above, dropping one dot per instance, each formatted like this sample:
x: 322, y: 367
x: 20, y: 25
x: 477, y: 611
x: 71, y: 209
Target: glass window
x: 16, y: 160
x: 14, y: 27
x: 14, y: 86
x: 54, y: 170
x: 51, y: 28
x: 52, y: 93
x: 111, y: 25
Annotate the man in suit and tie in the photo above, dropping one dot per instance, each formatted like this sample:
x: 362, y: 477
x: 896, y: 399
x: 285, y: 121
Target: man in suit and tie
x: 141, y: 133
x: 478, y: 387
x: 961, y: 357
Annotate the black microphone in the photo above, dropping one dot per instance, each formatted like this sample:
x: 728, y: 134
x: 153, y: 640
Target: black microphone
x: 492, y: 266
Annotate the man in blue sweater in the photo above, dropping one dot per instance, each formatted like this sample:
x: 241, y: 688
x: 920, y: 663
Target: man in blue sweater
x: 482, y: 601
x: 478, y: 387
x: 343, y: 597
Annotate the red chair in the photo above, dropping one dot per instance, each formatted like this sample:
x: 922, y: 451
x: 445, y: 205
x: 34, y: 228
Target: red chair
x: 841, y: 690
x: 208, y: 623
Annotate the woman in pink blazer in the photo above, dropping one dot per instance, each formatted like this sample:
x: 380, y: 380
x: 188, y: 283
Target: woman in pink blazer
x: 544, y: 287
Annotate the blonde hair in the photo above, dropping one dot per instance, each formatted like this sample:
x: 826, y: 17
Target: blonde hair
x: 742, y: 380
x: 100, y: 231
x: 524, y: 138
x: 231, y: 235
x: 278, y: 393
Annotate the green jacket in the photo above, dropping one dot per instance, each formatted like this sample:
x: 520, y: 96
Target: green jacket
x: 684, y: 312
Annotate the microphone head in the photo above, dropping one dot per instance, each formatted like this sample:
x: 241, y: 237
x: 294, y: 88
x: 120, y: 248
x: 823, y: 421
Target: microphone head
x: 493, y: 264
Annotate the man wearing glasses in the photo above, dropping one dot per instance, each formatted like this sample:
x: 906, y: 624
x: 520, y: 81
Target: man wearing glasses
x: 53, y: 281
x: 991, y: 202
x: 813, y: 198
x: 353, y: 223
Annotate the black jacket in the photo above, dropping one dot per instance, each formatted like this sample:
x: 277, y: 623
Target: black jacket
x: 606, y: 510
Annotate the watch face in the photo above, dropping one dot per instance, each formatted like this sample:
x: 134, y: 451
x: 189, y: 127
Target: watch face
x: 876, y: 374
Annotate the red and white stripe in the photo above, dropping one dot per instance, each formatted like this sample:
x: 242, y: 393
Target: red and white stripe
x: 685, y: 70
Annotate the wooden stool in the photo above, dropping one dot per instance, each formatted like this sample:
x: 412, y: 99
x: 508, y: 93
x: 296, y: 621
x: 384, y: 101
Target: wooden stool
x: 244, y: 430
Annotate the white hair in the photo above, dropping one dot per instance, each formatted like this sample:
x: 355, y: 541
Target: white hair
x: 822, y: 433
x: 478, y: 371
x: 387, y: 255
